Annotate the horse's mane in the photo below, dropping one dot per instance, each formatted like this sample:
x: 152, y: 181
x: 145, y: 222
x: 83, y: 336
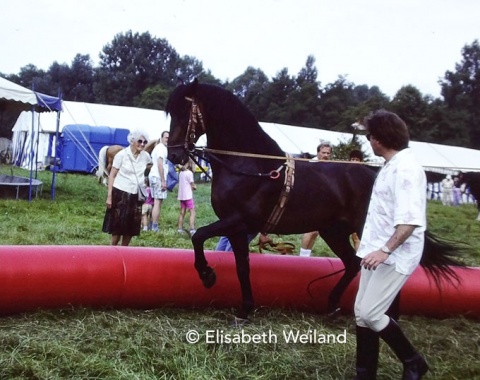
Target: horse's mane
x: 226, y: 109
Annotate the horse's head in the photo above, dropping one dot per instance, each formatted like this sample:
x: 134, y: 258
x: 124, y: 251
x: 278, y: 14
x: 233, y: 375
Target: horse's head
x: 186, y: 124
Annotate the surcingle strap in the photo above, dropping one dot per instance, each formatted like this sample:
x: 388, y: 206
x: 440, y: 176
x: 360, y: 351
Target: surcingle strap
x: 279, y: 208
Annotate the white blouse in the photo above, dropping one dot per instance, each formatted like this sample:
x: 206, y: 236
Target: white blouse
x: 130, y: 170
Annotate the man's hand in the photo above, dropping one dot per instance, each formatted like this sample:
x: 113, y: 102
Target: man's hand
x: 374, y: 259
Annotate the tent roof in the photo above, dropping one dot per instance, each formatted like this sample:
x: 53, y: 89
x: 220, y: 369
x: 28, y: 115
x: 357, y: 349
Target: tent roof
x: 14, y: 96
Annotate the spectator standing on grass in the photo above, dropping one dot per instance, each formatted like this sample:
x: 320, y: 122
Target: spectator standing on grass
x: 447, y: 190
x: 158, y: 178
x: 147, y: 208
x: 457, y: 189
x: 186, y: 185
x: 124, y: 210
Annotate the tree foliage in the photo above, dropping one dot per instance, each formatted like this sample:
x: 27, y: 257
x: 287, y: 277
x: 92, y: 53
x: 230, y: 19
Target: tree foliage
x: 461, y: 92
x: 141, y: 70
x: 130, y: 64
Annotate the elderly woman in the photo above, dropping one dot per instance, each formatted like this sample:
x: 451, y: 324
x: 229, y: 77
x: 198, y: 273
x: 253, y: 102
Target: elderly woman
x: 124, y: 209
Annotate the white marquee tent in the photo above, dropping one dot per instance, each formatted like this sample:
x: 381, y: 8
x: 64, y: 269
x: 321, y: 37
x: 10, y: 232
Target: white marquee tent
x: 294, y: 140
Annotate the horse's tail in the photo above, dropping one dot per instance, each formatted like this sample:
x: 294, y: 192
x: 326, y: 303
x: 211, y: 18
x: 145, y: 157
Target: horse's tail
x: 102, y: 163
x: 440, y: 258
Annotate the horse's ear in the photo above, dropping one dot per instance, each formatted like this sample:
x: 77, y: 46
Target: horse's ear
x: 191, y: 90
x: 195, y: 86
x: 179, y: 81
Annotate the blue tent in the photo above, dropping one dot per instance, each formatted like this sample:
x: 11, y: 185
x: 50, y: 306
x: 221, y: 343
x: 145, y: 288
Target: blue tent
x: 80, y: 144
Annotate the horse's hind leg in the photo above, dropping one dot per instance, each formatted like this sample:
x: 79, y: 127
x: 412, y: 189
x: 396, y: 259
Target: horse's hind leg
x: 339, y: 243
x: 241, y: 251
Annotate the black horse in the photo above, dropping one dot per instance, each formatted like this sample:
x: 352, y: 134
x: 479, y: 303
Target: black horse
x: 257, y: 188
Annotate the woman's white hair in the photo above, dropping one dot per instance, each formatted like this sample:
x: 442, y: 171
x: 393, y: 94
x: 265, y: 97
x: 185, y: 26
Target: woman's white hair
x: 135, y: 135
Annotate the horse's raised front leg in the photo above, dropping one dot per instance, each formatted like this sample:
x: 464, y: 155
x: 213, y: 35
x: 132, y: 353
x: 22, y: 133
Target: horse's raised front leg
x: 240, y: 247
x: 206, y: 273
x: 237, y: 235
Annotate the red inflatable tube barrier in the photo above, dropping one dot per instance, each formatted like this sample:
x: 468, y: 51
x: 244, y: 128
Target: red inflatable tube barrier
x: 33, y: 277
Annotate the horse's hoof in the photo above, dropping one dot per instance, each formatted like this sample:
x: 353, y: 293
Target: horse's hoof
x: 208, y: 278
x: 239, y: 322
x: 334, y: 314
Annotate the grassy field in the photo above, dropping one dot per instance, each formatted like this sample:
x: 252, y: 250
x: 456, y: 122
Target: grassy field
x: 152, y: 344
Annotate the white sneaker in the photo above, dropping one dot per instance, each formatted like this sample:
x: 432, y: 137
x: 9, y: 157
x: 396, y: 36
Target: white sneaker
x: 305, y: 252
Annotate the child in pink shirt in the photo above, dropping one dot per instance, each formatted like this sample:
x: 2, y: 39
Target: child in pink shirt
x: 186, y: 185
x: 147, y: 208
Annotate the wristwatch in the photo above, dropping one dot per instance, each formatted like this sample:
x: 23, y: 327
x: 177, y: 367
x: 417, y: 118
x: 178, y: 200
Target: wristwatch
x: 386, y: 250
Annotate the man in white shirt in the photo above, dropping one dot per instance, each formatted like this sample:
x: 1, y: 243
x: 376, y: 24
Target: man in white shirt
x: 158, y: 178
x: 391, y: 246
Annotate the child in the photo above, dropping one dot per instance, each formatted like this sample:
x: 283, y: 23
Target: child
x: 185, y: 195
x: 147, y: 208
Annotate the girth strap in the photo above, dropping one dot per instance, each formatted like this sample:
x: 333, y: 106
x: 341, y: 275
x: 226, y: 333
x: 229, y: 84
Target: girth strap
x: 279, y: 208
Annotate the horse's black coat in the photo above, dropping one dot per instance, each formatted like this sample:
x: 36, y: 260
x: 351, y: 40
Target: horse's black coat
x: 330, y: 197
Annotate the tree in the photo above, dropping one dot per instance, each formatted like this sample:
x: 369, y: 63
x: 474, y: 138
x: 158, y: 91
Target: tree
x: 365, y: 100
x: 75, y: 82
x: 130, y: 64
x: 342, y: 150
x: 155, y: 97
x: 190, y: 68
x: 250, y: 87
x: 412, y: 107
x: 304, y: 101
x: 335, y: 100
x: 461, y: 92
x: 276, y: 96
x: 33, y: 78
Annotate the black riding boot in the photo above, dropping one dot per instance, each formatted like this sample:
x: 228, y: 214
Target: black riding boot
x: 367, y: 354
x: 414, y: 366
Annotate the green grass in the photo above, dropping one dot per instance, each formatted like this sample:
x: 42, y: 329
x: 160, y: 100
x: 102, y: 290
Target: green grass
x: 151, y: 344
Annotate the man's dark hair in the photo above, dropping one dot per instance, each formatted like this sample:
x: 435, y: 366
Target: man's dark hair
x: 355, y: 153
x: 389, y: 129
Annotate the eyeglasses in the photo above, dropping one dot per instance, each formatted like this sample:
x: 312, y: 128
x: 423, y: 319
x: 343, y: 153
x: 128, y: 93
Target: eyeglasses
x: 142, y: 142
x: 368, y: 135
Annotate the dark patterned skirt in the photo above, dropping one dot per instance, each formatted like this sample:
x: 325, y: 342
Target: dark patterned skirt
x: 125, y: 215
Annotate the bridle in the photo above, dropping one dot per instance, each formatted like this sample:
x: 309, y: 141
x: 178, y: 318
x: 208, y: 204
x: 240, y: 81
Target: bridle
x: 196, y: 122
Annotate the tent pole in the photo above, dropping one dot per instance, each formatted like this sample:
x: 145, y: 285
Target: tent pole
x: 57, y: 131
x: 32, y: 153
